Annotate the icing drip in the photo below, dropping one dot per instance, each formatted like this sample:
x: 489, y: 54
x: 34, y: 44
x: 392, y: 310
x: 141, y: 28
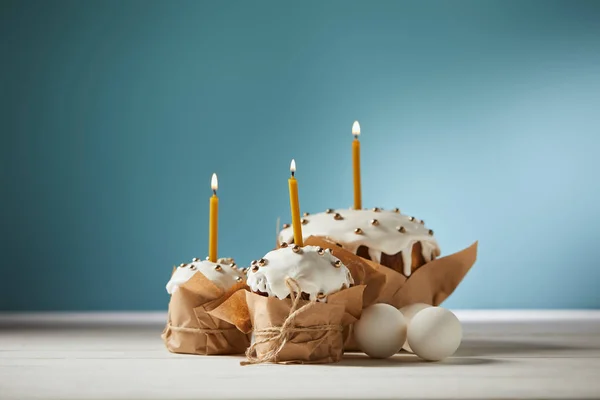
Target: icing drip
x: 220, y: 273
x: 375, y: 255
x: 407, y: 260
x: 314, y: 270
x: 391, y: 234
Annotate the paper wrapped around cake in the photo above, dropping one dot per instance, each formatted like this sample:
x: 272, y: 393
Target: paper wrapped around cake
x: 191, y: 329
x: 294, y: 331
x: 432, y: 283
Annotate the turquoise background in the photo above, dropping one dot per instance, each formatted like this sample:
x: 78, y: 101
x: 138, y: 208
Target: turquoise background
x: 481, y: 117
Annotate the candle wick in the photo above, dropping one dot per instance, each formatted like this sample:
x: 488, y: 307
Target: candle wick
x: 355, y: 137
x: 293, y: 173
x: 215, y: 192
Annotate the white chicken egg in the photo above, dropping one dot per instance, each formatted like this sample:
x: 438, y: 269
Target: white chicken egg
x: 409, y: 312
x: 381, y: 331
x: 434, y: 333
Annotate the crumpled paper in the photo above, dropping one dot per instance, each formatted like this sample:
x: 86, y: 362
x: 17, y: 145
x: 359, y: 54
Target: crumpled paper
x: 191, y: 329
x: 431, y: 283
x: 316, y: 334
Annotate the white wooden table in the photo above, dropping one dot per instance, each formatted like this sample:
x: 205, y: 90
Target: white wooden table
x: 525, y: 354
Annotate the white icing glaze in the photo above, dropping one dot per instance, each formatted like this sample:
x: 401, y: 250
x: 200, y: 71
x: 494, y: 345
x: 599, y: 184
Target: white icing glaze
x: 315, y: 273
x: 225, y: 277
x: 383, y: 237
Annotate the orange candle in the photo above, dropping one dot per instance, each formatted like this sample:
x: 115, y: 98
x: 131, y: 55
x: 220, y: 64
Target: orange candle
x: 295, y: 206
x: 356, y: 165
x: 213, y: 221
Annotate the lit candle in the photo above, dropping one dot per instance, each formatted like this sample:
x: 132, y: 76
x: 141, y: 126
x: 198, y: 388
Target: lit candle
x: 356, y: 165
x: 214, y: 220
x: 295, y: 206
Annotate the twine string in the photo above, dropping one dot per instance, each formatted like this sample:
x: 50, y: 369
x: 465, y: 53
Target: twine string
x: 278, y: 336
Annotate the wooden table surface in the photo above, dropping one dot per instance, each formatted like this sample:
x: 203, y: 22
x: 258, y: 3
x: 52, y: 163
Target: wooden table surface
x: 510, y: 355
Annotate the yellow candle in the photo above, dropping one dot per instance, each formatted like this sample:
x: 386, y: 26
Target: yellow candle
x: 295, y: 206
x: 356, y: 165
x: 213, y: 221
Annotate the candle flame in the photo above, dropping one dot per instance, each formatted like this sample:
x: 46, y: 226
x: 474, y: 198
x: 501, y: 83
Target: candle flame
x: 293, y: 166
x: 214, y: 182
x: 356, y: 128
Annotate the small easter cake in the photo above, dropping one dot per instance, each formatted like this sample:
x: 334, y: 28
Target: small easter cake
x: 301, y: 301
x: 315, y: 270
x: 195, y: 289
x: 388, y: 237
x: 224, y: 273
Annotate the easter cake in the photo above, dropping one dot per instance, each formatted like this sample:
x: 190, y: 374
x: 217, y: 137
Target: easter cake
x: 387, y: 237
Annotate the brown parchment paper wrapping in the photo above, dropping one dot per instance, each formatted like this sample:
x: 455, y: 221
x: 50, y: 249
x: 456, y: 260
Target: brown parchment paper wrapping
x: 191, y: 329
x: 250, y: 311
x: 431, y: 283
x: 363, y: 271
